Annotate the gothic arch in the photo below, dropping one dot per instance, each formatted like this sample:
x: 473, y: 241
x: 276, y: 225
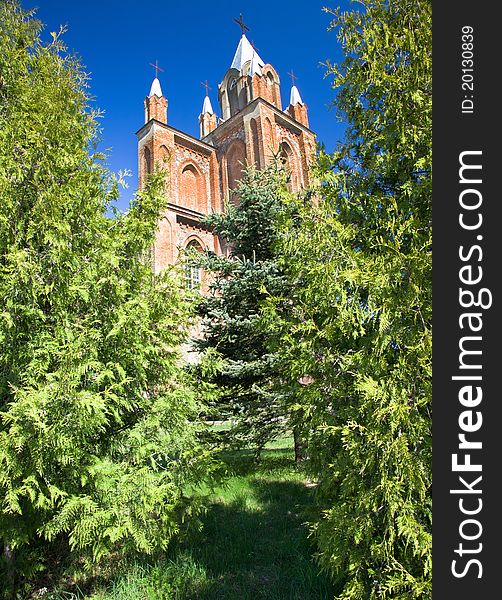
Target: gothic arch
x: 236, y: 160
x: 255, y: 143
x: 191, y: 187
x: 289, y: 159
x: 164, y: 156
x: 147, y: 161
x: 269, y: 137
x: 163, y: 161
x: 233, y: 95
x: 193, y: 274
x: 229, y: 93
x: 272, y: 85
x: 194, y: 241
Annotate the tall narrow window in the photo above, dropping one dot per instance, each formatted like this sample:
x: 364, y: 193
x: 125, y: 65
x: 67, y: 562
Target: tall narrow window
x: 256, y: 143
x: 147, y: 161
x: 287, y: 158
x: 193, y: 275
x: 233, y: 97
x: 236, y: 158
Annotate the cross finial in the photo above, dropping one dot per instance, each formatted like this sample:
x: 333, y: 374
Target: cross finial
x: 206, y: 85
x: 157, y: 68
x: 293, y: 76
x: 241, y: 24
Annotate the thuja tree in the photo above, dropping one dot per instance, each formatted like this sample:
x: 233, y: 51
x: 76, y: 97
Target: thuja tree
x: 252, y: 395
x: 98, y: 424
x: 360, y: 328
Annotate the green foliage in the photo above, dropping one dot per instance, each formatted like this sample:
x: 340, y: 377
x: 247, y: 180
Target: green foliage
x: 98, y: 422
x: 360, y: 327
x: 254, y: 543
x: 231, y: 313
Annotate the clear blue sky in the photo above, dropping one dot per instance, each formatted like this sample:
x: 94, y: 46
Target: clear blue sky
x: 193, y: 41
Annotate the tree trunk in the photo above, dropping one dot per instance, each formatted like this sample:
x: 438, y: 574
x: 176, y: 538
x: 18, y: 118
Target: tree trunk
x: 10, y: 573
x: 300, y: 445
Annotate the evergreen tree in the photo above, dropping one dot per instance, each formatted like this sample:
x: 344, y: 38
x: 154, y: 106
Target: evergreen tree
x: 249, y: 375
x: 98, y: 423
x: 360, y: 328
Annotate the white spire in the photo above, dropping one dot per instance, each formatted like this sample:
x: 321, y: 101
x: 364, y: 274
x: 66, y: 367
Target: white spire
x: 206, y: 107
x: 295, y: 97
x: 155, y: 89
x: 245, y: 53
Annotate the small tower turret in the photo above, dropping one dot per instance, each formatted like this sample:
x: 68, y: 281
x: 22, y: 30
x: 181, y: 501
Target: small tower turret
x: 297, y: 109
x: 207, y: 118
x: 155, y: 102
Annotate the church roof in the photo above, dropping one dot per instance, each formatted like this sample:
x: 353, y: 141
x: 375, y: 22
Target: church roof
x: 255, y: 67
x: 206, y: 107
x: 155, y: 89
x: 244, y: 53
x: 295, y: 97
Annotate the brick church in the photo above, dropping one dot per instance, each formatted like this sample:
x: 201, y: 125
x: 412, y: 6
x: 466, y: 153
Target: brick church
x: 201, y: 173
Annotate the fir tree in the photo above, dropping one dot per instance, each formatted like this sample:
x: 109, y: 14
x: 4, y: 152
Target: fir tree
x: 253, y: 393
x: 98, y: 424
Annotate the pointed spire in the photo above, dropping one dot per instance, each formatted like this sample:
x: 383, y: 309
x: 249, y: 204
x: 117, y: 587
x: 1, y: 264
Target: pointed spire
x: 255, y: 68
x: 295, y: 97
x: 207, y: 118
x: 206, y: 107
x: 155, y: 89
x: 245, y: 53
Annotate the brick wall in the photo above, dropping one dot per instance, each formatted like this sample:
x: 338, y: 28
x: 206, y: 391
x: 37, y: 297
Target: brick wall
x: 200, y: 174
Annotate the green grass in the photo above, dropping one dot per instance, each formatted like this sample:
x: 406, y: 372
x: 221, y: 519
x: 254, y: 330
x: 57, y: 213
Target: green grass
x: 253, y: 544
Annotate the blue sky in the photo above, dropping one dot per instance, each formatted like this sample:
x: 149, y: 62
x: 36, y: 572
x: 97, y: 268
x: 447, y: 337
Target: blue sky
x: 193, y: 41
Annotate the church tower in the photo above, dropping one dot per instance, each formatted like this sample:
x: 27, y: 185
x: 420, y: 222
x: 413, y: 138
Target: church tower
x: 202, y: 174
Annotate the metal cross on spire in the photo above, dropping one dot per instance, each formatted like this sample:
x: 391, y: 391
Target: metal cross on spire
x: 206, y: 85
x: 241, y: 24
x: 293, y: 76
x: 157, y: 68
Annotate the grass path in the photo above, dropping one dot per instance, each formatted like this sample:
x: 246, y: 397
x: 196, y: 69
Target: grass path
x: 253, y: 544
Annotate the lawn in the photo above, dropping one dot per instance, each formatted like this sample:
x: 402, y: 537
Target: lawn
x: 253, y: 544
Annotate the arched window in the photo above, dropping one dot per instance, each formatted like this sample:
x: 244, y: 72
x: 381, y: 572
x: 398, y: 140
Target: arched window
x: 272, y: 92
x: 255, y: 143
x: 286, y: 155
x: 163, y: 162
x: 192, y: 272
x: 268, y: 139
x: 147, y: 161
x: 236, y: 158
x: 288, y: 159
x: 233, y: 96
x: 164, y: 155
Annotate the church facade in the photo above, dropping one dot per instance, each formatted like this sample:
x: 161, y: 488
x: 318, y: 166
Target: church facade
x: 201, y: 174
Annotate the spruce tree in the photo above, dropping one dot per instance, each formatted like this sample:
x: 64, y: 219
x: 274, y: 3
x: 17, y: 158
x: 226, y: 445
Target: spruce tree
x: 252, y: 396
x: 360, y: 328
x: 98, y: 423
